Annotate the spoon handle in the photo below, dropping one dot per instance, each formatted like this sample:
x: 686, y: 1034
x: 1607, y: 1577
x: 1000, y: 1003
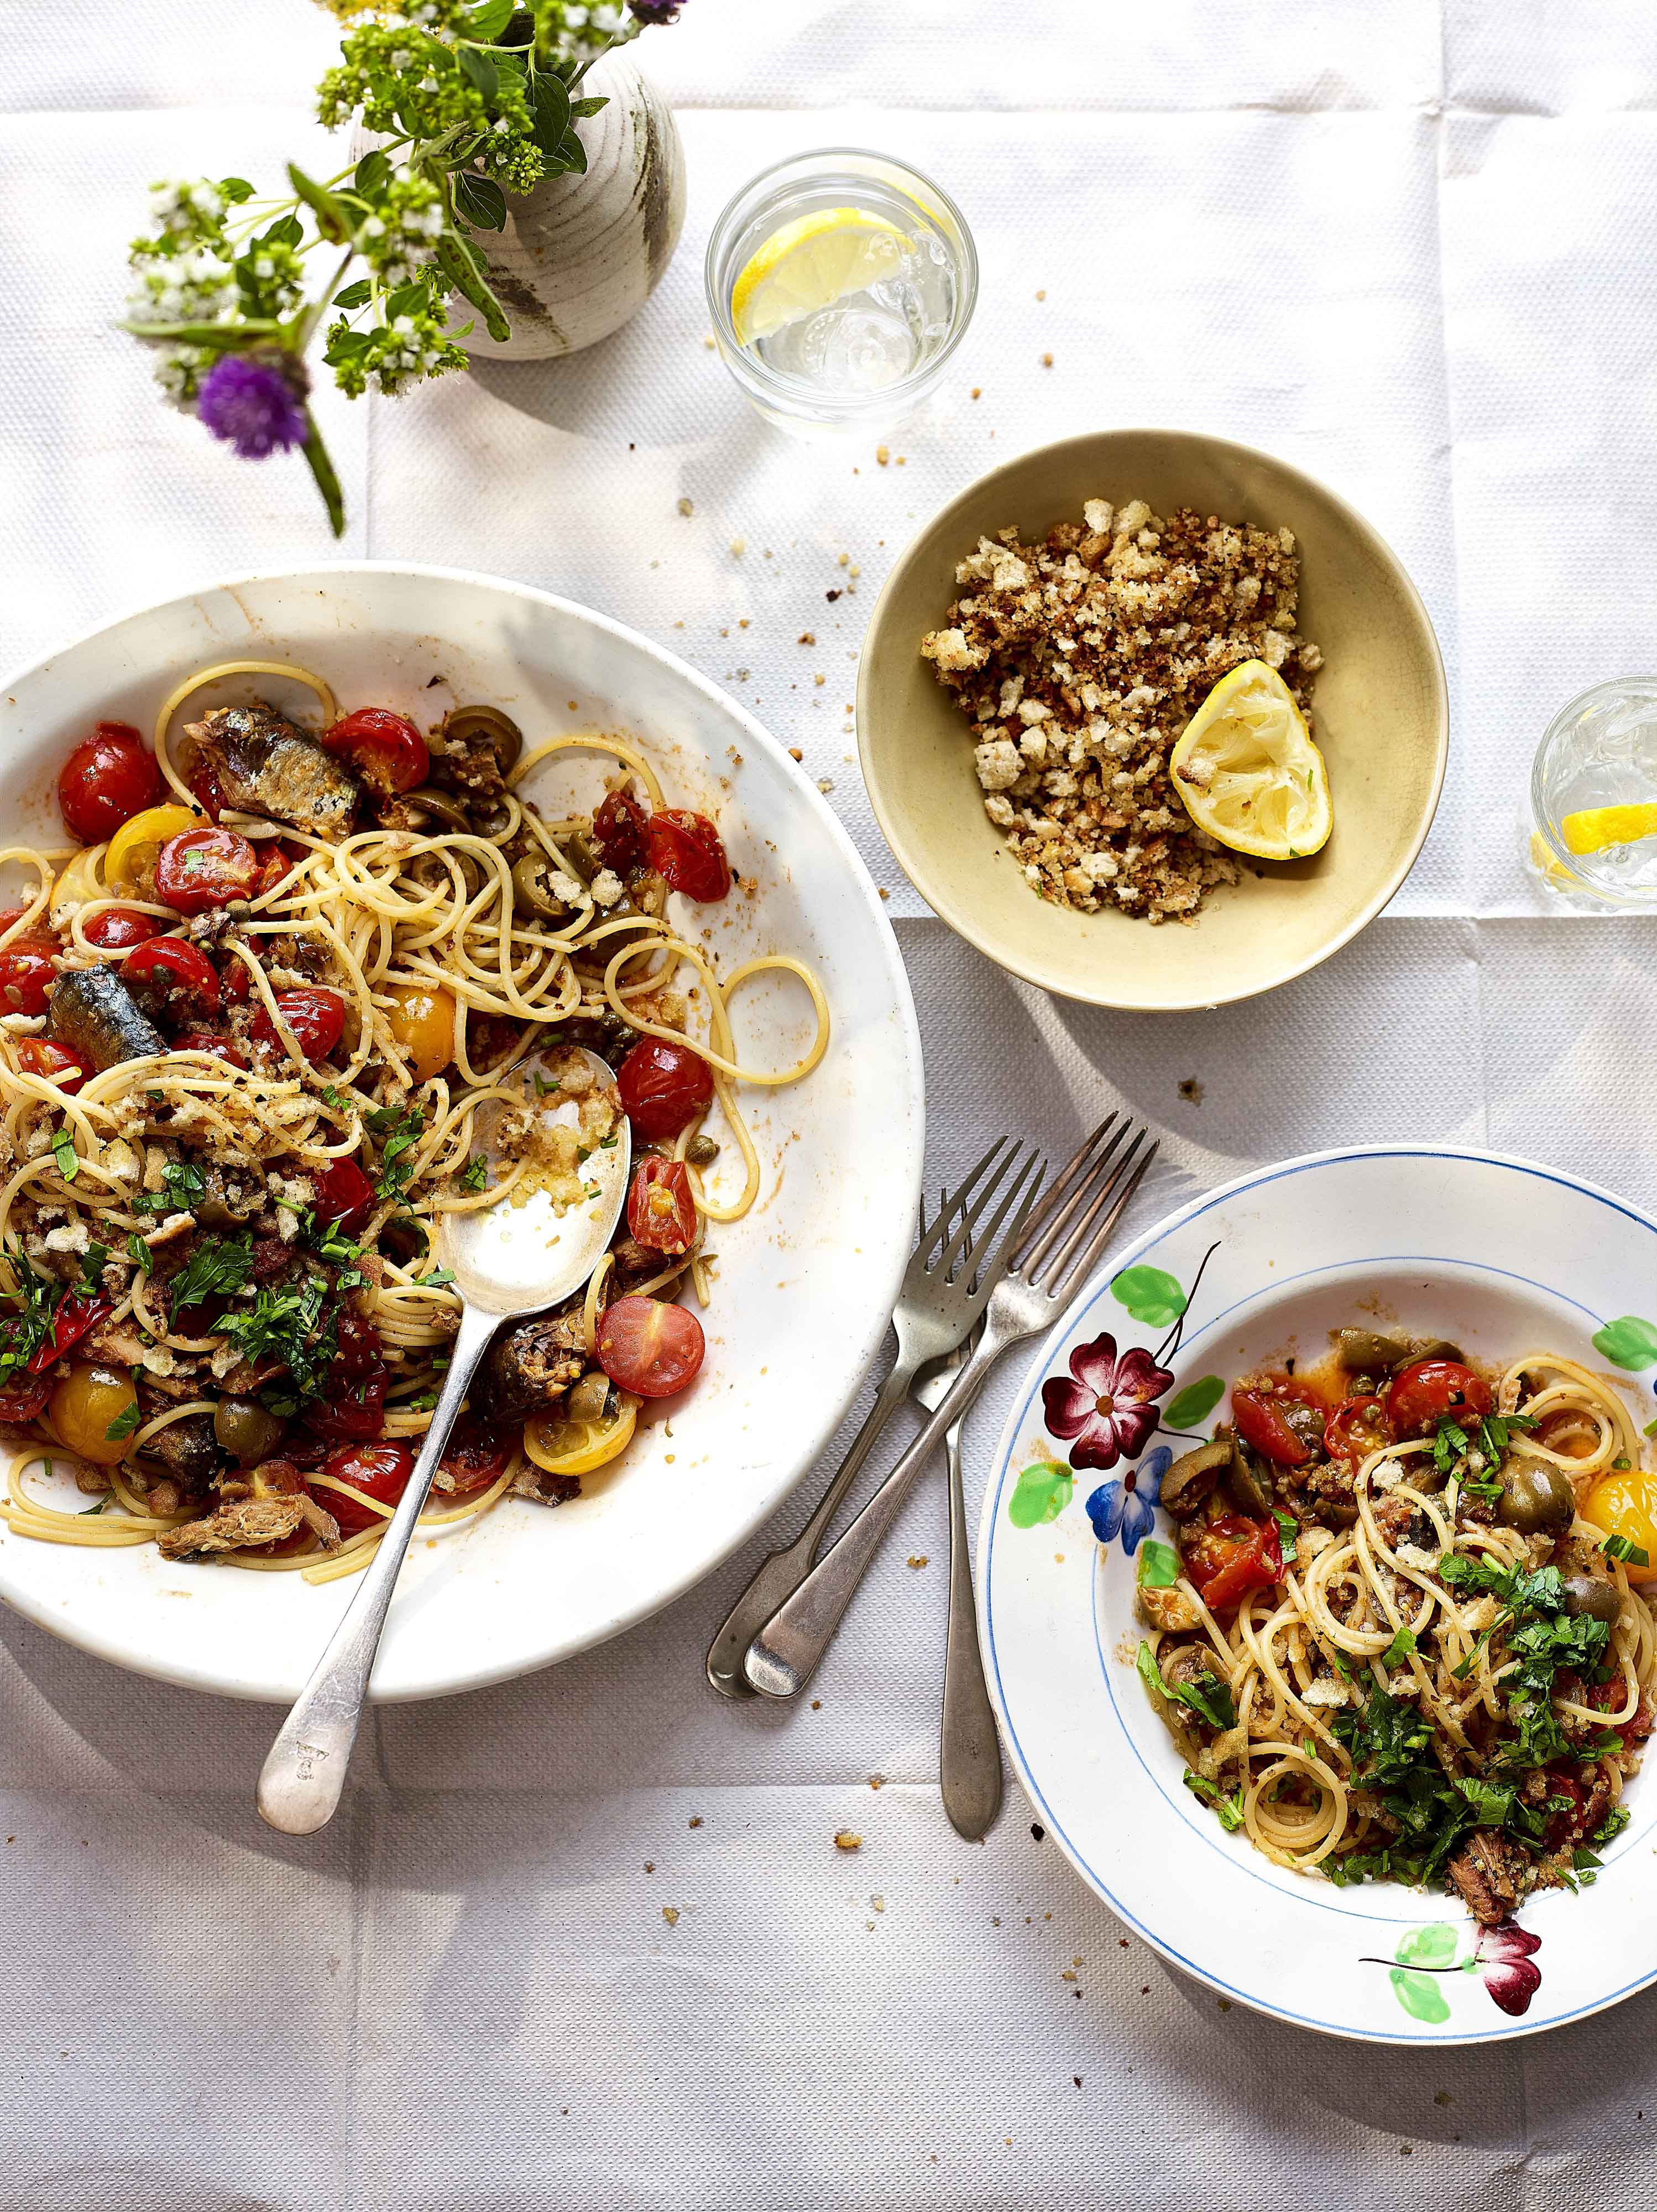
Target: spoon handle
x: 304, y: 1776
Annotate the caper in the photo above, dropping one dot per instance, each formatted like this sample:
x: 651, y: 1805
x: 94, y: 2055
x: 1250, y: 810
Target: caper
x: 440, y: 805
x: 486, y: 726
x: 1534, y: 1496
x: 247, y: 1430
x: 702, y: 1151
x: 1593, y: 1597
x: 532, y: 889
x: 1193, y: 1474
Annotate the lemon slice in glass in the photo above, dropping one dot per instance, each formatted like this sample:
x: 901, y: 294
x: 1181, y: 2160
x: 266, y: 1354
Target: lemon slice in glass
x: 1593, y: 829
x: 1248, y: 771
x: 809, y: 264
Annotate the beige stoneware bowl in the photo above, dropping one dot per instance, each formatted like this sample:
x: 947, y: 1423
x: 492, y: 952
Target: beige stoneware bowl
x: 1379, y: 714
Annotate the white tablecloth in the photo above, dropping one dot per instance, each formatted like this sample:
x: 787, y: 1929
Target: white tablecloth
x: 1409, y: 245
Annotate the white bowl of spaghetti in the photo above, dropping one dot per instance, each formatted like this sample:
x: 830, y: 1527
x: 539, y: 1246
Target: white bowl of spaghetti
x: 1317, y: 1568
x: 291, y: 981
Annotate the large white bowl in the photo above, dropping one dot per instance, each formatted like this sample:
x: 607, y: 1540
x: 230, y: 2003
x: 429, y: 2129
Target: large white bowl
x: 1499, y: 1256
x: 805, y: 1283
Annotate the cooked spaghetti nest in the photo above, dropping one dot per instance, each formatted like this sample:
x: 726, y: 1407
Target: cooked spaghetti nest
x: 384, y: 912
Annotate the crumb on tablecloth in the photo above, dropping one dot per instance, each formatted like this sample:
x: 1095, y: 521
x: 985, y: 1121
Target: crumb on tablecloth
x: 845, y: 1841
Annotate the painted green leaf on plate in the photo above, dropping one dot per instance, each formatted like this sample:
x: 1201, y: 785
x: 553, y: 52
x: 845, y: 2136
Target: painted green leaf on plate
x: 1433, y: 1946
x: 1151, y: 1296
x: 1420, y: 1995
x: 1627, y: 1342
x: 1195, y: 1403
x: 1159, y: 1565
x: 1040, y: 1493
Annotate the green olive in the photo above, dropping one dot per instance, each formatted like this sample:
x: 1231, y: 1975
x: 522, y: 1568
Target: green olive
x: 188, y: 1447
x: 581, y: 856
x: 590, y: 1398
x: 247, y: 1430
x: 1593, y: 1597
x: 474, y: 726
x: 226, y: 1205
x: 1246, y: 1484
x: 1534, y: 1496
x: 1192, y: 1475
x: 441, y: 806
x: 1360, y: 1349
x: 532, y: 888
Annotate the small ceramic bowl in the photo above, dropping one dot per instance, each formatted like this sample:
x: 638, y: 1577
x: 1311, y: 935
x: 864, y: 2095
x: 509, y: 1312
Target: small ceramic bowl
x: 1379, y: 714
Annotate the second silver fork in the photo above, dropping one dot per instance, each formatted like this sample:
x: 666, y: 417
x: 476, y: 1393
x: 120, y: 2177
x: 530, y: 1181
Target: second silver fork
x: 1056, y: 1248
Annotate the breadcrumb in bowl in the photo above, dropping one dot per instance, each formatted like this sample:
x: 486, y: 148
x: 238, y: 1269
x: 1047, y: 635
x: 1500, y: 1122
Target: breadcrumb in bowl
x: 1373, y: 679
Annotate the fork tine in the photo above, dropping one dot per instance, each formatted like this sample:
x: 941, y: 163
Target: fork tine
x: 1084, y: 1180
x: 1084, y: 1266
x: 971, y: 1215
x: 957, y: 1198
x: 1100, y: 1193
x: 1064, y: 1182
x: 1027, y: 1186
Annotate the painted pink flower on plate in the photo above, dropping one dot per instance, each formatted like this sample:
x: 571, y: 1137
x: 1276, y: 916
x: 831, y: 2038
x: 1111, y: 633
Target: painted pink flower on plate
x: 1503, y: 1957
x: 1107, y: 1410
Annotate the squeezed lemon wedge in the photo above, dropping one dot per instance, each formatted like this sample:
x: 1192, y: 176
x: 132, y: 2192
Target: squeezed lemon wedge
x: 1248, y: 770
x: 809, y: 264
x: 1593, y: 827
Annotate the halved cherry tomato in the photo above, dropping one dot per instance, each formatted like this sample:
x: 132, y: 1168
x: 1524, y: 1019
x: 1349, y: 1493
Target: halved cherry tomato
x: 1228, y: 1557
x: 360, y: 1345
x: 119, y: 928
x: 21, y: 1402
x: 211, y: 1040
x: 1623, y: 1503
x: 662, y: 1086
x: 1567, y: 1821
x: 107, y: 779
x: 355, y: 1409
x: 205, y: 788
x: 129, y: 863
x: 277, y: 859
x: 44, y: 1057
x: 27, y: 973
x: 387, y: 751
x: 344, y: 1194
x: 475, y: 1456
x: 1572, y: 1435
x: 660, y: 1210
x: 1357, y: 1428
x: 178, y: 973
x: 618, y: 831
x: 316, y: 1017
x: 420, y: 1017
x: 687, y: 853
x: 1282, y: 1418
x: 379, y: 1471
x: 1434, y: 1390
x: 70, y: 1324
x: 650, y: 1348
x: 205, y: 868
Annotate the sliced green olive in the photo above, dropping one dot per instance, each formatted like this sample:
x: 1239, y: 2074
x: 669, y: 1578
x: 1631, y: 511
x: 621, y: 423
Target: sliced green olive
x: 532, y: 884
x: 472, y: 727
x: 581, y: 856
x: 591, y: 1399
x: 1534, y: 1496
x: 441, y: 806
x: 249, y: 1431
x: 1192, y: 1475
x: 1593, y: 1597
x: 1361, y: 1348
x: 224, y: 1205
x: 1247, y: 1486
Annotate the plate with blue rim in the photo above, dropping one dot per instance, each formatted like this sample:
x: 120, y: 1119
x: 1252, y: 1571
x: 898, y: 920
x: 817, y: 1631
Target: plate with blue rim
x: 1503, y: 1256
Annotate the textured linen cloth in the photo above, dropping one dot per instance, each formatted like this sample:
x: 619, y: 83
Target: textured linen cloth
x: 1406, y: 245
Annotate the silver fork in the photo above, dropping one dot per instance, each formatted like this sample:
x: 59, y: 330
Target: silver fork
x: 940, y: 1299
x: 1054, y: 1247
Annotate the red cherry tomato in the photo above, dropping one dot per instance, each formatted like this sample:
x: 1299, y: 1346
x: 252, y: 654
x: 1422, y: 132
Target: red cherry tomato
x: 1231, y: 1556
x: 1357, y: 1428
x: 356, y: 1410
x: 105, y: 780
x: 211, y: 1040
x: 650, y: 1348
x: 663, y: 1086
x: 70, y: 1324
x: 1434, y: 1390
x: 379, y: 1471
x: 277, y: 861
x: 27, y: 973
x: 176, y: 973
x: 201, y: 869
x: 618, y: 831
x: 1567, y: 1821
x: 360, y: 1347
x: 21, y: 1402
x: 475, y: 1456
x: 344, y: 1194
x: 687, y: 854
x: 387, y: 751
x: 316, y: 1017
x: 206, y: 789
x: 44, y: 1056
x: 1282, y: 1418
x: 660, y: 1210
x: 119, y: 928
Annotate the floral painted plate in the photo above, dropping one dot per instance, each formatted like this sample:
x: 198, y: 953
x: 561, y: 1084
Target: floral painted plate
x: 1501, y: 1256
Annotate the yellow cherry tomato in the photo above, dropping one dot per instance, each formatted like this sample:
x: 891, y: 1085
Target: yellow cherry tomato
x: 1624, y: 1503
x: 79, y: 883
x: 421, y: 1019
x: 129, y: 863
x: 562, y: 1447
x: 87, y: 1401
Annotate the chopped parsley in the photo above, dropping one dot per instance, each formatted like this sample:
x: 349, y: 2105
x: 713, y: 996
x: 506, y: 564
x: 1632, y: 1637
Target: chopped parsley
x: 399, y: 1129
x: 1208, y: 1697
x: 1229, y: 1809
x: 64, y: 1153
x: 124, y: 1422
x: 1399, y: 1649
x: 1288, y: 1530
x: 27, y: 1321
x: 213, y: 1271
x: 436, y: 1279
x: 92, y: 1270
x: 284, y: 1325
x: 1620, y: 1547
x: 139, y: 1251
x: 183, y: 1186
x: 476, y: 1173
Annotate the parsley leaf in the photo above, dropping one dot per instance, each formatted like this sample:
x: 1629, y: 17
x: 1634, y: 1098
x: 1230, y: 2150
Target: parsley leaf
x: 139, y: 1251
x: 400, y: 1132
x: 476, y: 1173
x: 64, y: 1153
x: 1288, y: 1530
x: 285, y: 1324
x: 1618, y: 1547
x: 183, y: 1186
x: 1229, y: 1809
x: 213, y: 1271
x: 1399, y: 1649
x: 125, y: 1422
x: 1208, y: 1697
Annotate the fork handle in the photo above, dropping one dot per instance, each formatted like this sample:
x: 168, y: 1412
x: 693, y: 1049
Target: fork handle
x: 786, y: 1654
x: 969, y: 1750
x: 781, y: 1573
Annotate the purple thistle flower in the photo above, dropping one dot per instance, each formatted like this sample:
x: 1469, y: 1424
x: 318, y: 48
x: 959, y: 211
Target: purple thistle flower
x: 250, y: 398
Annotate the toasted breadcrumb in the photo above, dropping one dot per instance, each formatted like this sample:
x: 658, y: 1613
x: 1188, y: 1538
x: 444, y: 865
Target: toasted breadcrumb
x: 1078, y: 662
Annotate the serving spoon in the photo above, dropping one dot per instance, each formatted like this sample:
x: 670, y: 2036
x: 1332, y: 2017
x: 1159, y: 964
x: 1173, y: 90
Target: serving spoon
x: 508, y: 1260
